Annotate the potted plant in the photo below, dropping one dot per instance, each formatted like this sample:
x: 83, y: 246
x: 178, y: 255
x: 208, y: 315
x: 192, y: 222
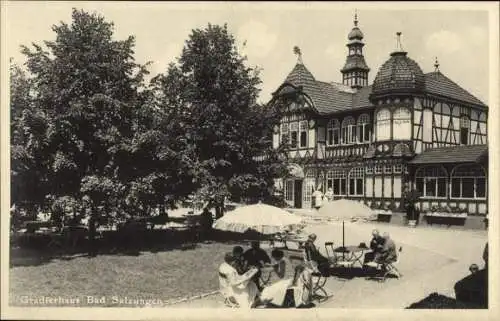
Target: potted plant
x: 410, y: 198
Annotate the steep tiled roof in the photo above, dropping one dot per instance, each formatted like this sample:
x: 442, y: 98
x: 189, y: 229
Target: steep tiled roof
x: 399, y: 73
x: 438, y: 84
x: 355, y: 62
x: 327, y: 97
x: 454, y: 154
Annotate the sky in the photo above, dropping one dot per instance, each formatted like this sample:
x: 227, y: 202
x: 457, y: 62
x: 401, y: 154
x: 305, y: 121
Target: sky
x: 458, y: 38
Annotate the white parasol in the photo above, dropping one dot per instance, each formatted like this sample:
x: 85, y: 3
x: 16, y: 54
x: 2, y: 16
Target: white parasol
x: 345, y: 210
x: 263, y: 218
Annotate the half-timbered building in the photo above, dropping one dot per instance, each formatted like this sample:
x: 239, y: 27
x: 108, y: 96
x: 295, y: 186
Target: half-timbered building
x: 366, y: 141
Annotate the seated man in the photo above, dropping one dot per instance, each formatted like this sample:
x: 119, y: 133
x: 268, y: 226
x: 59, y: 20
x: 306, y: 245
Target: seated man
x: 474, y: 288
x: 239, y: 261
x: 376, y: 245
x: 256, y: 257
x: 386, y: 254
x: 313, y: 254
x: 238, y: 289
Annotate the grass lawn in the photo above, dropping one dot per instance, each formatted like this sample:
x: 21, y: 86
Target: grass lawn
x: 160, y: 276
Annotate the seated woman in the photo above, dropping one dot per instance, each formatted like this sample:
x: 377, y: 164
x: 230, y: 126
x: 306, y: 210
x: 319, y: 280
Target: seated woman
x: 238, y: 289
x: 295, y: 292
x: 279, y: 263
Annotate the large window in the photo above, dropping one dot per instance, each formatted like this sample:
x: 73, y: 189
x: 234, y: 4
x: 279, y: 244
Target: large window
x: 402, y: 124
x: 348, y: 130
x: 383, y: 124
x: 356, y: 181
x: 284, y: 133
x: 464, y: 130
x: 333, y: 132
x: 364, y: 128
x: 431, y: 181
x: 468, y: 181
x: 303, y: 133
x: 337, y: 181
x: 294, y: 133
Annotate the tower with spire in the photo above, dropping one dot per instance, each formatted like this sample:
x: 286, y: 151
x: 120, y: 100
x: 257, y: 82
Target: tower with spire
x: 355, y: 71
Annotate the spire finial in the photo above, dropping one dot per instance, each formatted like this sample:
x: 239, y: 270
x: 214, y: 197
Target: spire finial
x: 436, y: 65
x: 296, y: 50
x: 355, y: 17
x: 399, y: 46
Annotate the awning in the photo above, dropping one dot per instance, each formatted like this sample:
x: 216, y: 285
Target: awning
x: 453, y: 154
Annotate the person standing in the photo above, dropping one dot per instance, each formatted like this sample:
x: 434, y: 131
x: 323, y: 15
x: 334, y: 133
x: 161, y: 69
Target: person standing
x: 206, y: 222
x: 318, y: 199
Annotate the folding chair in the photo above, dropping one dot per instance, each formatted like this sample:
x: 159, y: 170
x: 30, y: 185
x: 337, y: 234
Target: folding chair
x: 388, y: 268
x: 317, y: 288
x: 332, y: 256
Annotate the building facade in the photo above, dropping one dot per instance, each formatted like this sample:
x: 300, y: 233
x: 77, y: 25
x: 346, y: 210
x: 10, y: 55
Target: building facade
x: 367, y: 141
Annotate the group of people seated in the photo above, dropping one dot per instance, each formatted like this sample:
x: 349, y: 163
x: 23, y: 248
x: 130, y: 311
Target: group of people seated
x: 242, y: 284
x: 383, y: 251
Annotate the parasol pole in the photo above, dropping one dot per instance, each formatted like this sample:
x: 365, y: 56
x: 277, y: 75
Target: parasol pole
x: 343, y: 241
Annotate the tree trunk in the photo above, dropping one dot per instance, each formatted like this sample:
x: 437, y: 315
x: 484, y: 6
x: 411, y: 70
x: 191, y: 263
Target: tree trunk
x: 92, y: 232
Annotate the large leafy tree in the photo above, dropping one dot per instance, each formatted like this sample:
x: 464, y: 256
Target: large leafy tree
x: 86, y: 95
x: 215, y: 98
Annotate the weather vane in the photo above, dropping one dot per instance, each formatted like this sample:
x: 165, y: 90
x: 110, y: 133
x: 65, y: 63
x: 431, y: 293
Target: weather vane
x: 296, y: 50
x: 436, y: 65
x: 399, y: 46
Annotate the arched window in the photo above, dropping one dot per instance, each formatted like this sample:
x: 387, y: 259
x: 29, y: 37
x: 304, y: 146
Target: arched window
x: 348, y: 130
x: 468, y: 181
x: 364, y: 128
x: 402, y: 124
x: 356, y: 181
x: 431, y: 181
x: 333, y: 132
x: 336, y: 180
x: 464, y: 130
x: 383, y: 124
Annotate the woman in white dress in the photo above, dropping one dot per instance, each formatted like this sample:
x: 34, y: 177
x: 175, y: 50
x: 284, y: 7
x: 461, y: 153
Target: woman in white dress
x: 239, y: 289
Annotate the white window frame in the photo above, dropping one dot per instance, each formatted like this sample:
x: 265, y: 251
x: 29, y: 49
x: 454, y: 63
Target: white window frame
x: 348, y: 128
x: 333, y: 126
x: 387, y: 169
x: 465, y: 123
x: 356, y: 174
x: 386, y: 114
x: 438, y: 172
x: 401, y: 114
x: 378, y: 169
x: 337, y: 175
x: 461, y: 176
x: 363, y: 126
x: 303, y: 128
x: 397, y: 168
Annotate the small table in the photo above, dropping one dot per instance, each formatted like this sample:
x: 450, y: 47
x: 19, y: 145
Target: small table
x: 290, y: 238
x: 347, y: 256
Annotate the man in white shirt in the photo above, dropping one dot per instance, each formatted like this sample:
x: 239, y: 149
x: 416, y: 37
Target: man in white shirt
x: 239, y: 288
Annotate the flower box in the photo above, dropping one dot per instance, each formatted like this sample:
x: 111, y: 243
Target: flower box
x: 384, y: 216
x: 445, y: 218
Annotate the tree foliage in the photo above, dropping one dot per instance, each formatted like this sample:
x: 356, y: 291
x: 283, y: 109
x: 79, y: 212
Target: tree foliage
x: 86, y: 127
x: 216, y: 97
